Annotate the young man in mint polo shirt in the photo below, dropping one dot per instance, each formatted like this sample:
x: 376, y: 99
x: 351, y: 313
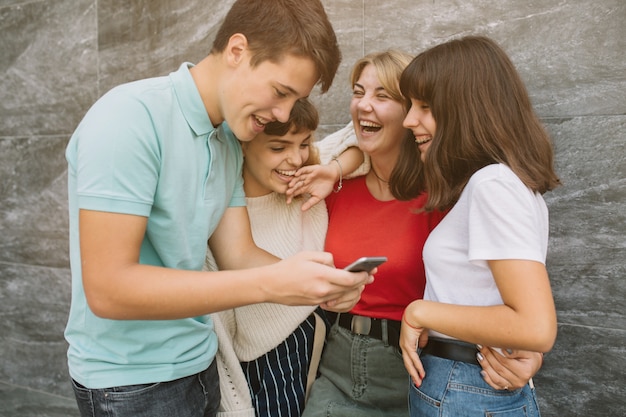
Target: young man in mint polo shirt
x: 154, y: 171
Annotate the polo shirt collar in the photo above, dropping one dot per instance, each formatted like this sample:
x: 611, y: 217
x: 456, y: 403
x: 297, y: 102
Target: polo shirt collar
x: 190, y: 101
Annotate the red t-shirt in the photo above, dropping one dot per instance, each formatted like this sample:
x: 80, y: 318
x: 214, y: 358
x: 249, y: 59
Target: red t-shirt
x: 359, y: 225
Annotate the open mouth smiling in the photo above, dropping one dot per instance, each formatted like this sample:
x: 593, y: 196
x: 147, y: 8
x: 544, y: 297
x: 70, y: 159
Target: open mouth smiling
x: 420, y: 140
x: 259, y: 121
x: 285, y: 173
x: 370, y: 127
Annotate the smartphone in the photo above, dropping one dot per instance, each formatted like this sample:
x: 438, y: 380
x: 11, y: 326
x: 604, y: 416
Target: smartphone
x: 366, y: 263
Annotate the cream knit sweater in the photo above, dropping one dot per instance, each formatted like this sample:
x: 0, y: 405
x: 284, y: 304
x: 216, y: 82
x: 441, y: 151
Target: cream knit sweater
x: 246, y: 333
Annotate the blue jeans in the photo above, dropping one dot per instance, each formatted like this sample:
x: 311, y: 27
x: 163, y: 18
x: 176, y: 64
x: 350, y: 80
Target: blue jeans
x: 193, y: 396
x: 360, y: 376
x: 456, y: 389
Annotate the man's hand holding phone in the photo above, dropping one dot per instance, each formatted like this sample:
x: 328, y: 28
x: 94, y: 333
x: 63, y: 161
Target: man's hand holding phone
x: 345, y: 303
x: 366, y: 263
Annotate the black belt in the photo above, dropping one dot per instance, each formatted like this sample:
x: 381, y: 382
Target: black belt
x: 451, y: 349
x: 376, y: 328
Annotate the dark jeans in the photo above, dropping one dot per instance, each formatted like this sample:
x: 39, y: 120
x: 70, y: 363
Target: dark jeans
x: 193, y: 396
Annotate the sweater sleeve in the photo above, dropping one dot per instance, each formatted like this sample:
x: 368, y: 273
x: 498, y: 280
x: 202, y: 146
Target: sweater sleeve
x: 235, y: 399
x: 248, y: 332
x: 282, y: 230
x: 334, y: 144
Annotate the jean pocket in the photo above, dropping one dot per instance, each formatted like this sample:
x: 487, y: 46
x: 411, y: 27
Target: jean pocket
x: 514, y: 412
x: 397, y: 352
x: 131, y: 390
x: 416, y: 394
x: 82, y: 393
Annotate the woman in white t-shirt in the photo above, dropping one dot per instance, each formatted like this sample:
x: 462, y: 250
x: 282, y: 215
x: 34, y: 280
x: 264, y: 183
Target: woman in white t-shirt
x: 487, y: 160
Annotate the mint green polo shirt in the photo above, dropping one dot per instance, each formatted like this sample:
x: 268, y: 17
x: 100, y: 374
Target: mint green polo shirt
x: 148, y: 148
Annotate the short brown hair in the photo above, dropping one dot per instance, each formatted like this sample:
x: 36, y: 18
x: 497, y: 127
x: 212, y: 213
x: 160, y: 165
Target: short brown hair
x: 303, y: 116
x: 483, y: 114
x: 275, y: 28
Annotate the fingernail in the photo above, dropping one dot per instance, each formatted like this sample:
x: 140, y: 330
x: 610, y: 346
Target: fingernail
x: 479, y: 357
x: 509, y: 351
x: 483, y: 373
x: 479, y: 347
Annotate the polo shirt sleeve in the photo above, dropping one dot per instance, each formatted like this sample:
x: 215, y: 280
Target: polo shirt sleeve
x: 117, y: 157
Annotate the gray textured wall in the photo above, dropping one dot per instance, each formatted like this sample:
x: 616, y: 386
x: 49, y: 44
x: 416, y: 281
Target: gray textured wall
x: 57, y: 57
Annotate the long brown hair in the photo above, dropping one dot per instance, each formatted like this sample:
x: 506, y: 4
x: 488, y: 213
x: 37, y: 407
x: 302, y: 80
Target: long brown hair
x: 407, y: 178
x: 483, y: 115
x: 275, y: 28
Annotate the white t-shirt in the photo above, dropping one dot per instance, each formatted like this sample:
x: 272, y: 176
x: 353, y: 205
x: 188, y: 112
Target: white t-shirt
x: 496, y: 217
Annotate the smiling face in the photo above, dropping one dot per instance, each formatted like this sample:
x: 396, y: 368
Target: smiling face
x: 421, y: 122
x: 377, y: 117
x: 271, y: 161
x: 255, y: 96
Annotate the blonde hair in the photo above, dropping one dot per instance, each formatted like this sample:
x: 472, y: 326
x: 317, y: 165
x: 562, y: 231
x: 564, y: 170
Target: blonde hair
x: 407, y: 178
x: 389, y: 66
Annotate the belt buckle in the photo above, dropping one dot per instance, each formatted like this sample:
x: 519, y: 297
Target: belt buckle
x: 361, y: 325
